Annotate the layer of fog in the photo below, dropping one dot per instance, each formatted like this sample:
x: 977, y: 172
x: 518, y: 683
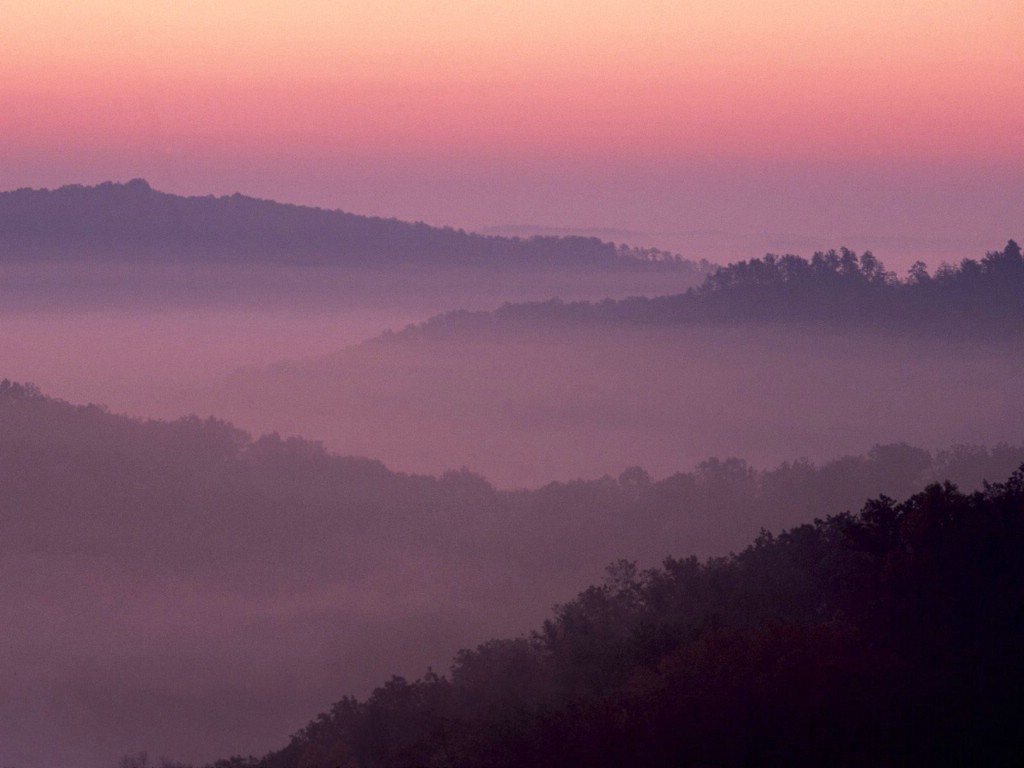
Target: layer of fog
x: 524, y: 409
x: 188, y: 668
x: 165, y: 592
x: 194, y: 666
x: 135, y: 337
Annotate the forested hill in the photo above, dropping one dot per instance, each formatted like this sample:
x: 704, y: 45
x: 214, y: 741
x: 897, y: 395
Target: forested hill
x: 891, y: 637
x: 172, y: 475
x: 132, y: 219
x: 256, y: 579
x: 834, y: 288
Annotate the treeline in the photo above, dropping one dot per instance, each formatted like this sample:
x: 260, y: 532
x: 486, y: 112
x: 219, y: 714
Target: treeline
x: 889, y: 637
x: 849, y: 633
x: 197, y: 491
x: 844, y: 284
x: 254, y: 521
x: 834, y: 288
x: 112, y: 221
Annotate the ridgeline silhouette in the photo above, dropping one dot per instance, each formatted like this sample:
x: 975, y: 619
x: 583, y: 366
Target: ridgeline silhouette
x: 112, y: 221
x: 859, y: 627
x: 125, y: 477
x: 891, y: 637
x: 838, y: 289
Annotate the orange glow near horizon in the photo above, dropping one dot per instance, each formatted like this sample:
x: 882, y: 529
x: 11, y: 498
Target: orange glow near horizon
x: 779, y: 79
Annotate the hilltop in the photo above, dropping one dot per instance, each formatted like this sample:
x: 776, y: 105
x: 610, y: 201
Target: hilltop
x: 114, y: 220
x: 187, y: 588
x: 834, y: 289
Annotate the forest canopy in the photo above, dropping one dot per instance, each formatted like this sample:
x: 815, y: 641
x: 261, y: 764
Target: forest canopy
x: 132, y: 221
x: 888, y: 637
x: 855, y: 630
x: 833, y: 288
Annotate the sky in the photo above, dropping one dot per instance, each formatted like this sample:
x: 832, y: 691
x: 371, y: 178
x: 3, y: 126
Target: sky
x: 737, y: 125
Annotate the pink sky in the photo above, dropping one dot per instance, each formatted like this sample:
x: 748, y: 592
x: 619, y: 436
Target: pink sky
x: 870, y: 123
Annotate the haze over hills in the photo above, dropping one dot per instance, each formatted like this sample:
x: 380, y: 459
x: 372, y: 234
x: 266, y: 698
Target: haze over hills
x: 770, y: 359
x: 837, y: 289
x: 185, y: 561
x: 125, y: 295
x: 890, y: 637
x: 184, y: 588
x: 306, y: 424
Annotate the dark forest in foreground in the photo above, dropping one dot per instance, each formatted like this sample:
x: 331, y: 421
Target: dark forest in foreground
x: 161, y: 578
x: 890, y: 637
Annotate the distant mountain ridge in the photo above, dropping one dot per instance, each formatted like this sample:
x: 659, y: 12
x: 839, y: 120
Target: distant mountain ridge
x: 832, y: 289
x: 116, y: 220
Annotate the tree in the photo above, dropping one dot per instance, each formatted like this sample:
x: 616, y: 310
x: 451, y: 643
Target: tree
x: 918, y: 273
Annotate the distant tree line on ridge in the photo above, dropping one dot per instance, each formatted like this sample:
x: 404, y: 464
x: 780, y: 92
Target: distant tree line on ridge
x: 832, y: 289
x: 127, y: 478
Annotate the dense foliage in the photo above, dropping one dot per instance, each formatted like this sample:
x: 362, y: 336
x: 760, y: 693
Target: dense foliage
x: 838, y: 288
x: 159, y: 493
x: 841, y: 640
x: 891, y: 637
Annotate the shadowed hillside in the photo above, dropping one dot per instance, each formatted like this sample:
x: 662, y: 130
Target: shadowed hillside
x: 838, y: 290
x: 112, y: 220
x: 184, y: 588
x: 891, y: 637
x: 768, y: 360
x: 129, y: 296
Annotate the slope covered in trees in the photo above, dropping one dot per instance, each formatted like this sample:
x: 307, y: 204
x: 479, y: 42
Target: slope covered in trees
x: 769, y: 360
x: 185, y: 588
x: 554, y: 401
x: 120, y: 220
x: 891, y: 637
x: 838, y: 289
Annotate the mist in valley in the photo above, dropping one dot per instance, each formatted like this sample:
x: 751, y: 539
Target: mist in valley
x: 527, y: 408
x: 189, y: 590
x: 490, y: 385
x: 238, y: 491
x: 141, y: 337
